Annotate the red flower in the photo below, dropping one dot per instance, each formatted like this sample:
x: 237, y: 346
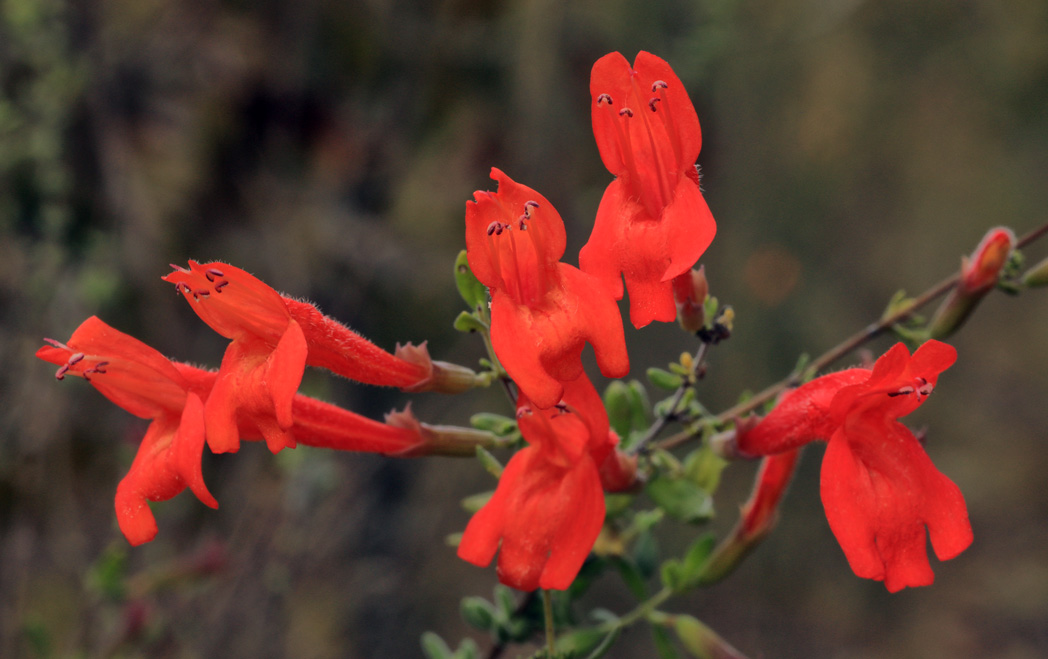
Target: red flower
x: 145, y: 383
x: 273, y: 338
x: 879, y: 488
x: 653, y: 223
x: 549, y: 505
x: 542, y: 311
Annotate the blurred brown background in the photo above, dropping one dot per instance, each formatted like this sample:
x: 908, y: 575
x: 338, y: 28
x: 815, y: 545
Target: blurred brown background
x: 851, y: 149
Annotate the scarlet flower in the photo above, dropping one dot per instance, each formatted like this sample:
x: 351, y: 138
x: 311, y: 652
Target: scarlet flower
x: 273, y: 339
x: 652, y: 224
x: 145, y: 383
x: 542, y: 311
x: 879, y: 488
x: 548, y: 508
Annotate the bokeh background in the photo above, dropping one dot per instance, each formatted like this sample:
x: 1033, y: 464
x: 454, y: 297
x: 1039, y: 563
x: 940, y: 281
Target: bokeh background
x: 850, y: 149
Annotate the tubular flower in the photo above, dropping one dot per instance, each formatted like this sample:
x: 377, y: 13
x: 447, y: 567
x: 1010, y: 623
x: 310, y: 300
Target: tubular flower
x: 273, y: 339
x: 542, y: 311
x: 548, y: 508
x: 145, y: 383
x: 879, y: 488
x: 652, y: 224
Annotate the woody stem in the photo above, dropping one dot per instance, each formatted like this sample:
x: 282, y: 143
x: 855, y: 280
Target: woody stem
x: 861, y: 337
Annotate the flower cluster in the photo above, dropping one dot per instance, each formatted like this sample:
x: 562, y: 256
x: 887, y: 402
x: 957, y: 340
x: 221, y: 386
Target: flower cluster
x: 651, y: 227
x: 879, y: 488
x: 253, y: 394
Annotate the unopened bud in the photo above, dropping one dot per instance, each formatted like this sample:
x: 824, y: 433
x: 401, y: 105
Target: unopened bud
x: 689, y: 292
x: 979, y: 274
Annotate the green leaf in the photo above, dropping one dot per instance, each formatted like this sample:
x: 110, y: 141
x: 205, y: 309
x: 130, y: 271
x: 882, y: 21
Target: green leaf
x: 664, y: 644
x: 478, y: 613
x: 490, y: 463
x: 631, y: 576
x: 475, y: 502
x: 646, y: 554
x: 493, y: 423
x: 468, y: 322
x: 664, y: 379
x: 580, y: 642
x: 434, y: 647
x: 704, y: 467
x: 681, y: 499
x: 469, y: 287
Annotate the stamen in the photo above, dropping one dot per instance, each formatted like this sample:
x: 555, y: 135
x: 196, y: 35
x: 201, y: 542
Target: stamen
x: 57, y: 344
x: 61, y: 372
x: 523, y: 412
x: 604, y: 98
x: 220, y: 285
x: 75, y: 359
x: 521, y: 222
x: 211, y: 273
x: 180, y: 268
x: 495, y: 228
x: 657, y: 85
x: 652, y: 101
x: 201, y: 293
x: 561, y: 407
x: 625, y: 112
x: 903, y: 391
x: 100, y: 367
x: 528, y: 205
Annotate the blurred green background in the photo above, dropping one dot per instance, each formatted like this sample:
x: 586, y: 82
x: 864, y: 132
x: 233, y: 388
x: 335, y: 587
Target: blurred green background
x: 851, y: 149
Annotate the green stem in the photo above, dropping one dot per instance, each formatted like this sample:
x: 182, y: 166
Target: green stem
x: 551, y: 636
x: 840, y: 350
x: 660, y: 423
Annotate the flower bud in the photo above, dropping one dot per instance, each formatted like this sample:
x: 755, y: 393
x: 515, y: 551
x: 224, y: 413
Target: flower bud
x: 979, y: 274
x: 618, y: 472
x: 689, y: 292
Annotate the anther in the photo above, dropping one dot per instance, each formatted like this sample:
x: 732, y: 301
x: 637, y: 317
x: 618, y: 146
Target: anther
x: 523, y: 412
x: 495, y: 228
x: 201, y: 293
x: 603, y: 98
x: 903, y: 391
x: 60, y: 373
x: 561, y: 407
x: 652, y: 102
x: 75, y: 359
x: 220, y: 285
x: 625, y: 112
x: 658, y: 84
x: 528, y: 205
x: 211, y: 273
x: 100, y: 367
x: 926, y: 387
x: 522, y: 222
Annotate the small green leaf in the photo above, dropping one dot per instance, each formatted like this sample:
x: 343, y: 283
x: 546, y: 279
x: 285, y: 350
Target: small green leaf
x: 681, y: 499
x: 490, y: 463
x: 472, y: 291
x: 664, y: 644
x: 704, y: 467
x: 478, y: 612
x: 580, y: 642
x: 631, y: 576
x: 646, y: 554
x: 468, y: 322
x: 475, y: 502
x: 467, y: 650
x: 493, y: 423
x: 664, y: 379
x: 434, y: 647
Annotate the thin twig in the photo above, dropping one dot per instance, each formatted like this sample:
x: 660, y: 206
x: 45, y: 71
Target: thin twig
x: 662, y: 420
